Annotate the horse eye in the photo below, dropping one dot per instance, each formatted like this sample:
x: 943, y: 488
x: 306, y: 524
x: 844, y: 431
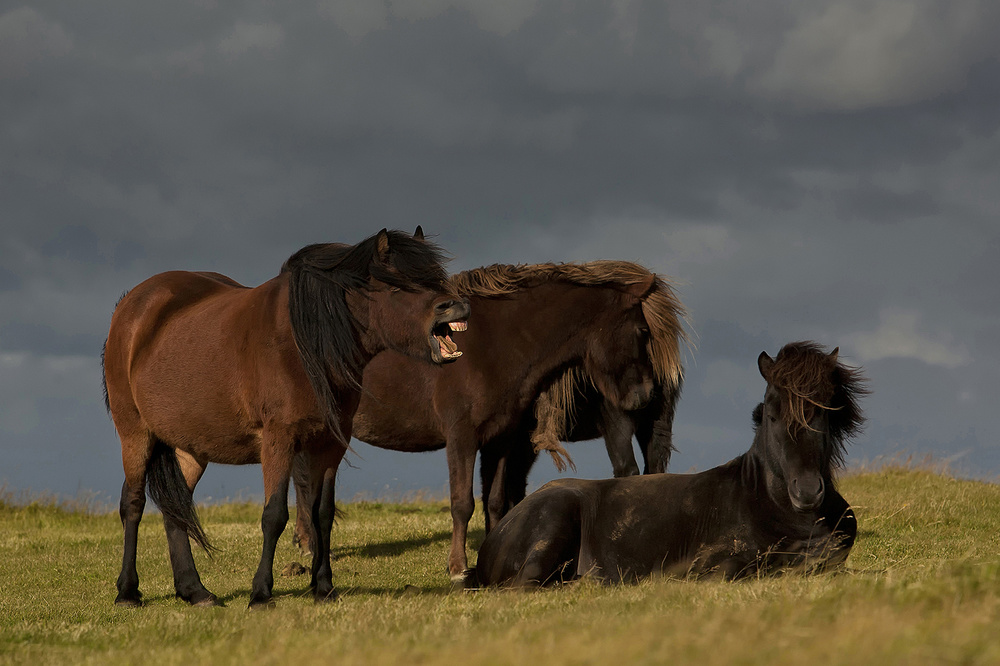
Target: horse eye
x: 393, y: 290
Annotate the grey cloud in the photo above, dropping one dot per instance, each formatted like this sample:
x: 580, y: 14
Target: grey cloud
x: 737, y: 147
x: 856, y: 55
x: 22, y: 336
x: 27, y: 38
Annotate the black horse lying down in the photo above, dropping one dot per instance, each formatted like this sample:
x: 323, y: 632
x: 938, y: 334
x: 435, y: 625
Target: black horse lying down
x: 773, y: 508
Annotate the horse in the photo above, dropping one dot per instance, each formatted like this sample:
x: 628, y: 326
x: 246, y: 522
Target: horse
x: 198, y: 368
x: 593, y: 417
x: 772, y: 509
x: 615, y: 320
x: 583, y: 415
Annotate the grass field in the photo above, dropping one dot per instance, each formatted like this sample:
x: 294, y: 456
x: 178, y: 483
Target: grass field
x: 922, y: 585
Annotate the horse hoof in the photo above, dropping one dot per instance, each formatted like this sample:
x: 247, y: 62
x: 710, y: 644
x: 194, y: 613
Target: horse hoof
x: 209, y: 602
x: 458, y: 580
x: 326, y: 597
x: 128, y: 603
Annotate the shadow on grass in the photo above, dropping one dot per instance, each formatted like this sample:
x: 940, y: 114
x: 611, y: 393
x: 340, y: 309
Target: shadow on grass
x: 389, y: 548
x: 239, y: 598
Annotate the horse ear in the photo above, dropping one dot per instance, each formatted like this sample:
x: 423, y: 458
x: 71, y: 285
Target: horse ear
x: 833, y: 354
x: 764, y: 364
x: 643, y: 287
x: 419, y: 233
x: 382, y: 245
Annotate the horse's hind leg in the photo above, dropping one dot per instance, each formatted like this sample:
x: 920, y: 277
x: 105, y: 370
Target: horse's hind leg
x: 303, y: 506
x: 130, y: 509
x: 187, y: 582
x: 322, y: 471
x: 276, y: 464
x: 135, y: 458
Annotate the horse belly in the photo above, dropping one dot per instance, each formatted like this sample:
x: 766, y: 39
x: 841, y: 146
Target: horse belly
x: 191, y: 396
x: 212, y: 435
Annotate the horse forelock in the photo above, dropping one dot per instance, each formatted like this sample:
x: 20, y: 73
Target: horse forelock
x: 412, y: 263
x: 807, y: 379
x: 661, y: 307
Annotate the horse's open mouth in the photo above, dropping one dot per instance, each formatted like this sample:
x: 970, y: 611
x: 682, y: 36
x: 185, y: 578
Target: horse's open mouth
x: 441, y: 332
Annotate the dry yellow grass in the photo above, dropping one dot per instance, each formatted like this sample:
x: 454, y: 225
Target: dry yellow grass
x: 922, y: 586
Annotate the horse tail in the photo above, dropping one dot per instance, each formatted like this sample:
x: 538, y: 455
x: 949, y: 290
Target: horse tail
x: 104, y: 350
x: 104, y: 377
x: 170, y: 492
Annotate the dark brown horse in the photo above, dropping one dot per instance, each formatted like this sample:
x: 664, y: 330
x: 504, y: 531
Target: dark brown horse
x: 773, y: 508
x: 615, y: 320
x: 587, y: 415
x: 201, y: 369
x: 573, y: 410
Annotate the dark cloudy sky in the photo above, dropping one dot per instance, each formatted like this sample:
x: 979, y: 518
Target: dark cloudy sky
x: 805, y: 170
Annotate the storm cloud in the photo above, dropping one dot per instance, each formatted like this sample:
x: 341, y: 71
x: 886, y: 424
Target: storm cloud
x: 816, y: 171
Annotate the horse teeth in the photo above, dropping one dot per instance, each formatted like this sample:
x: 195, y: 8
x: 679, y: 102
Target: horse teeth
x: 458, y: 325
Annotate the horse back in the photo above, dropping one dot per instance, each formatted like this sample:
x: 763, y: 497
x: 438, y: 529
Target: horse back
x: 201, y: 359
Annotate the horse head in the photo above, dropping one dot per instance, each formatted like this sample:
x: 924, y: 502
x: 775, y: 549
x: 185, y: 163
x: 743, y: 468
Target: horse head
x: 809, y: 408
x: 617, y: 358
x: 410, y: 303
x: 348, y: 303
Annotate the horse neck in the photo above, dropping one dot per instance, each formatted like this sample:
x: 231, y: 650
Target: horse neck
x: 549, y: 325
x: 762, y: 480
x: 762, y: 476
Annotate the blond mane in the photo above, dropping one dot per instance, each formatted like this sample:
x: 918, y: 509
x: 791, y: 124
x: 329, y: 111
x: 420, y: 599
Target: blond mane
x: 661, y: 308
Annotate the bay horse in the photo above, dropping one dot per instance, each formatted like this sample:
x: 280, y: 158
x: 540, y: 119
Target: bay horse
x: 770, y: 509
x: 199, y: 368
x: 617, y: 321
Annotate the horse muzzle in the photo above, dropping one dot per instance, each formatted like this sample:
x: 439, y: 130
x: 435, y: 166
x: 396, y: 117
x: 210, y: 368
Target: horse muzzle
x: 638, y: 395
x: 449, y: 316
x: 806, y: 493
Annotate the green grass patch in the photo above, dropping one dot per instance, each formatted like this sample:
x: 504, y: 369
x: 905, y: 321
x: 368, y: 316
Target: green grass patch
x: 922, y: 585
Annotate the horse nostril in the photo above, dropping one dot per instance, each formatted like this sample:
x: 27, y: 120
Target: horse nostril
x: 444, y: 306
x: 807, y: 495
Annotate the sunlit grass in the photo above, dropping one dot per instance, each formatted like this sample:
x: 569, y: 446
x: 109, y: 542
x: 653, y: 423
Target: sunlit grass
x: 921, y: 586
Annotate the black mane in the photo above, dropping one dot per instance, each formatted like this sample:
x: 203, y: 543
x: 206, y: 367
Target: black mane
x: 326, y: 334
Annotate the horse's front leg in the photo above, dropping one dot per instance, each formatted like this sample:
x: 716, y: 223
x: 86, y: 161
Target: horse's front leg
x: 492, y: 464
x: 322, y: 475
x: 461, y: 452
x: 276, y: 463
x: 617, y: 429
x: 654, y: 430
